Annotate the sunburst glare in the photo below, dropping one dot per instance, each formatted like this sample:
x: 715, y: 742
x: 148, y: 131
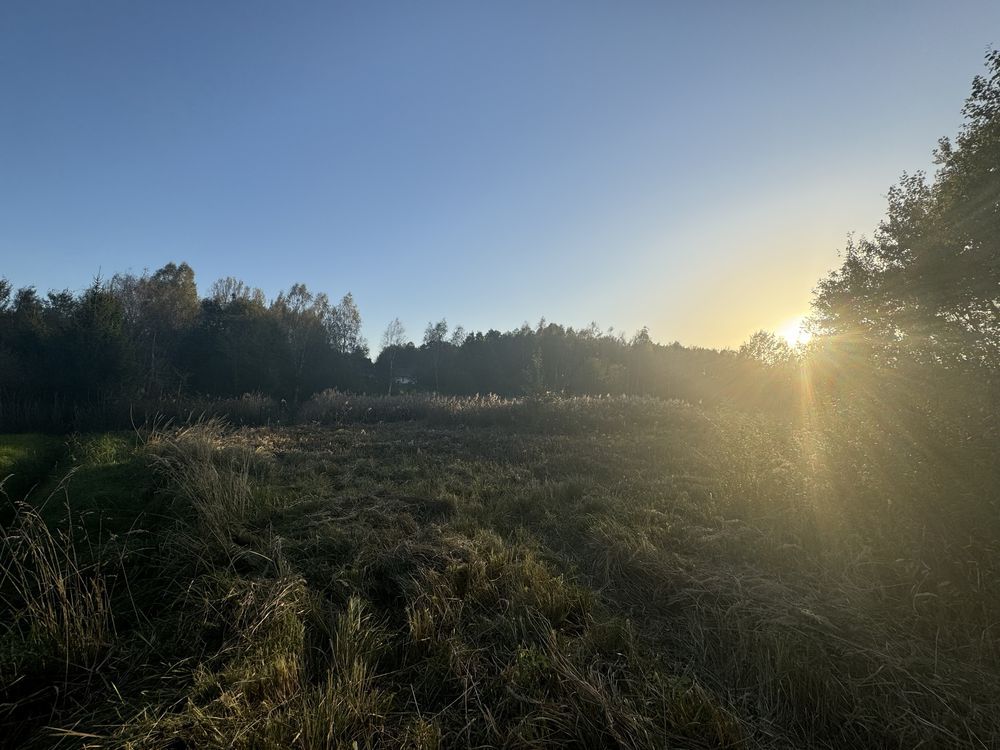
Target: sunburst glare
x: 794, y: 331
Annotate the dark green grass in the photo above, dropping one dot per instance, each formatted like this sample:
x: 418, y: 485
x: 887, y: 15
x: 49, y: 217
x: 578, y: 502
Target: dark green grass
x: 27, y: 459
x: 571, y: 578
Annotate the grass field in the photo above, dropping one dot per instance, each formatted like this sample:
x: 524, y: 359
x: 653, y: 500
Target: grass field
x: 27, y: 459
x: 588, y: 573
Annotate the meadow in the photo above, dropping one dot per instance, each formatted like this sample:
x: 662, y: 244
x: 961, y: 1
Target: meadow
x: 424, y: 572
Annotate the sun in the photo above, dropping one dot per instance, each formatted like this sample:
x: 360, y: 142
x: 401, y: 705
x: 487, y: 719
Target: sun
x: 794, y: 331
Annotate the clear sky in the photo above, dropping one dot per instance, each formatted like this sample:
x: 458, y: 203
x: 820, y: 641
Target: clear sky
x: 693, y: 167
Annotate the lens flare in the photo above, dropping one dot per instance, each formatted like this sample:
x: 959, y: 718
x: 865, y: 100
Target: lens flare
x: 794, y: 331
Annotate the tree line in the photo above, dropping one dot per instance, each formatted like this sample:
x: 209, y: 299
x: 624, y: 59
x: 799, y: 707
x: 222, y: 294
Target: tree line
x: 151, y: 336
x: 914, y: 309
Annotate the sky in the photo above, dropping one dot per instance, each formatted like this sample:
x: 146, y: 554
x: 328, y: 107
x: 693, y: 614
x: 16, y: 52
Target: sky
x: 691, y: 167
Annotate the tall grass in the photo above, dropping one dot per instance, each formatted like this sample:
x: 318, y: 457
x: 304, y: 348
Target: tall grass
x: 536, y: 573
x: 543, y: 413
x: 59, y: 591
x: 221, y: 487
x: 540, y: 412
x: 60, y: 416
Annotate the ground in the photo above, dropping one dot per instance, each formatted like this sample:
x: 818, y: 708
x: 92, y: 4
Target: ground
x: 665, y: 580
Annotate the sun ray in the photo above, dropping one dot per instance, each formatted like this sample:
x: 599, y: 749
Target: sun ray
x: 794, y: 331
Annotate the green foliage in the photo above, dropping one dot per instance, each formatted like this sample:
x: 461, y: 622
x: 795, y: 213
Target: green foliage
x: 924, y: 287
x: 25, y: 460
x: 69, y: 359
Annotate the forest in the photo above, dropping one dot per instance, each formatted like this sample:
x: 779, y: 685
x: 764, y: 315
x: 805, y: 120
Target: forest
x: 150, y: 338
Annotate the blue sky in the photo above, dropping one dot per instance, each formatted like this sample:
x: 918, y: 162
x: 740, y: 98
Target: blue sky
x: 691, y: 167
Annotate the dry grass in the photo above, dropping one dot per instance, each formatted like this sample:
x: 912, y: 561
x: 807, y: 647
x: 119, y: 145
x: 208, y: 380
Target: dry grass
x: 487, y: 577
x: 60, y: 593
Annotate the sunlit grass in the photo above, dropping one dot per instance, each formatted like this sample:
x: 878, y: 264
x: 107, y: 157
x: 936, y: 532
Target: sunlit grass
x: 534, y: 573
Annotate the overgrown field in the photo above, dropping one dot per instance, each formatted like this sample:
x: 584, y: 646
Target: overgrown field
x: 486, y: 573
